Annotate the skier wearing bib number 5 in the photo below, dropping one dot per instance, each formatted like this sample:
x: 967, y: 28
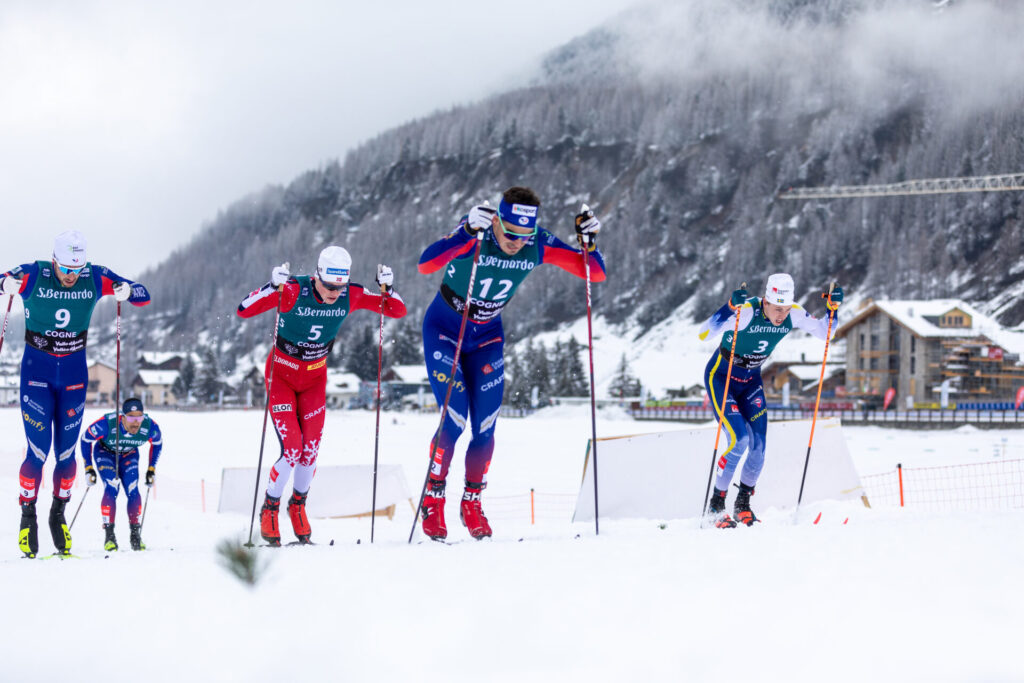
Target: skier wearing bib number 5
x: 763, y: 322
x: 59, y: 296
x: 513, y: 245
x: 312, y: 309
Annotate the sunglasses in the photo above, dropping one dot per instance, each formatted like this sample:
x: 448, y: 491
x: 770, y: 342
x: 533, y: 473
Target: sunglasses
x: 332, y: 288
x: 67, y: 270
x: 133, y: 419
x: 516, y: 235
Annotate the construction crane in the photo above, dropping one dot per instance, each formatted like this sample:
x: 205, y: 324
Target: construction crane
x: 985, y: 183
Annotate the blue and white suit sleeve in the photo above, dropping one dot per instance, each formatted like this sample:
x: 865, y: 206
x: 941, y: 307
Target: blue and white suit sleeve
x: 156, y: 443
x: 725, y: 316
x: 808, y: 323
x: 96, y: 432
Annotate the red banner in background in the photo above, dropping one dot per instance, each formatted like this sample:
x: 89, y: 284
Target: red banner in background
x: 890, y: 394
x: 995, y: 353
x: 1020, y: 398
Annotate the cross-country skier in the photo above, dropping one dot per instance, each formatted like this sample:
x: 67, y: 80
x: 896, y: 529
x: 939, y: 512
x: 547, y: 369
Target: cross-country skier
x: 513, y: 245
x: 59, y: 295
x: 312, y: 309
x: 762, y: 324
x: 115, y: 443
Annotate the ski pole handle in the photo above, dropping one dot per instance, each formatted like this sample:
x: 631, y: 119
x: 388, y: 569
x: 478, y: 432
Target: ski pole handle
x: 584, y: 238
x: 736, y: 308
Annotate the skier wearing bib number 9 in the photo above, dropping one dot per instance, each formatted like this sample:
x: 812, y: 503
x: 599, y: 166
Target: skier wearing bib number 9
x: 513, y: 245
x: 763, y: 322
x: 312, y: 309
x: 59, y: 296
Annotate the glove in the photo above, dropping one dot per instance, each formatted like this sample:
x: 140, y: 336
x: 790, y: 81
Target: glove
x: 480, y: 218
x: 280, y: 274
x: 90, y: 475
x: 150, y: 476
x: 385, y: 277
x: 587, y: 223
x: 122, y: 290
x: 11, y: 285
x: 836, y: 298
x: 738, y: 298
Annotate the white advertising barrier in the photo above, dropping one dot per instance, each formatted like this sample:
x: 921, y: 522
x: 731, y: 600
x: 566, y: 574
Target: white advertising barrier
x: 665, y: 475
x: 337, y: 491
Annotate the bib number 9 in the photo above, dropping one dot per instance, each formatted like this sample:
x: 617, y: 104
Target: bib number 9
x: 63, y: 316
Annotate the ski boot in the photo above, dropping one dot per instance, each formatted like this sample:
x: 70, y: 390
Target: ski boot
x: 135, y: 537
x: 110, y: 542
x: 471, y: 514
x: 297, y: 512
x: 28, y: 537
x: 269, y: 530
x: 59, y: 527
x: 742, y: 506
x: 433, y: 511
x: 716, y: 511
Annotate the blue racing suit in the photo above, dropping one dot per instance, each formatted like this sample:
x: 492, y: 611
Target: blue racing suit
x: 99, y: 443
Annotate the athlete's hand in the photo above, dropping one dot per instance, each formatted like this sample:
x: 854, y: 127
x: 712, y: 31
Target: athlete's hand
x: 480, y: 218
x: 280, y: 274
x: 90, y: 475
x: 150, y: 476
x: 738, y: 298
x: 11, y: 285
x: 833, y: 300
x: 587, y: 223
x: 385, y: 276
x: 122, y: 290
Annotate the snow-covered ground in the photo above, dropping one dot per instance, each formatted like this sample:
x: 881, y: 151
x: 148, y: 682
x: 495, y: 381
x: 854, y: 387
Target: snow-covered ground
x: 891, y: 595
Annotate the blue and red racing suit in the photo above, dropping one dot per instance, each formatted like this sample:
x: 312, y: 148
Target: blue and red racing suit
x: 54, y: 375
x: 479, y: 379
x: 746, y: 408
x: 99, y: 443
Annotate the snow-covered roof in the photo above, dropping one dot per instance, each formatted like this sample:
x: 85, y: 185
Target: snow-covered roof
x: 411, y: 374
x: 153, y: 378
x: 918, y: 317
x: 103, y: 363
x: 342, y: 382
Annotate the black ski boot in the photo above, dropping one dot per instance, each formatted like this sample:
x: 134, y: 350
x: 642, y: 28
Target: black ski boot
x: 28, y: 537
x: 59, y: 527
x: 716, y: 511
x: 135, y: 537
x: 110, y: 542
x: 742, y: 506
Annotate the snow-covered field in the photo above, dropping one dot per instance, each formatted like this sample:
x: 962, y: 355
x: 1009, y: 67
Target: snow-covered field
x: 891, y: 595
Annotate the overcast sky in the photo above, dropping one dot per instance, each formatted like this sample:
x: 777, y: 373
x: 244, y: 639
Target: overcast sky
x: 136, y: 122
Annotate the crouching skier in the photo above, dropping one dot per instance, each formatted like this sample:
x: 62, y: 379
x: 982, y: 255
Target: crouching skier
x: 59, y: 296
x: 762, y: 324
x: 312, y: 309
x: 113, y: 441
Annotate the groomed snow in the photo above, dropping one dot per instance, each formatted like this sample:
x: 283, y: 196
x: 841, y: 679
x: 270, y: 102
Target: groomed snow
x: 891, y: 595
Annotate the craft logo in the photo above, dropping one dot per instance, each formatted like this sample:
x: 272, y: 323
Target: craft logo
x: 493, y: 383
x: 314, y: 413
x: 281, y: 407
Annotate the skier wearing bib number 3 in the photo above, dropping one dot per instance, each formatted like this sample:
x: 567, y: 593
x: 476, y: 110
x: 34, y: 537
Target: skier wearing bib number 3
x: 59, y: 295
x: 513, y: 245
x: 762, y: 324
x: 312, y: 309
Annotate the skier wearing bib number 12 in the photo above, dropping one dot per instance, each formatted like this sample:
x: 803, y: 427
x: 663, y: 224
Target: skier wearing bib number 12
x: 513, y: 245
x: 59, y: 295
x: 762, y: 324
x: 312, y: 309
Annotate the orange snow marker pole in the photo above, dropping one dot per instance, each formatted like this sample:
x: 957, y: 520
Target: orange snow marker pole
x: 532, y: 518
x: 721, y: 412
x: 821, y: 380
x: 899, y: 471
x: 818, y: 518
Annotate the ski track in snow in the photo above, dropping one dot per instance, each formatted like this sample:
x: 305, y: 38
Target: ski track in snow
x: 891, y: 595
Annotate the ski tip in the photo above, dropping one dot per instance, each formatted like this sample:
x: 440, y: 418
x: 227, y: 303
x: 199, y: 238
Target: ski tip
x: 358, y: 541
x: 818, y: 518
x: 846, y: 520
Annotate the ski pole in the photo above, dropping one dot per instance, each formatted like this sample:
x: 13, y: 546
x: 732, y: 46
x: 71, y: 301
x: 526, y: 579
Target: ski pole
x: 266, y: 414
x: 376, y: 438
x: 817, y: 400
x: 117, y: 384
x: 3, y: 332
x: 72, y: 525
x: 144, y: 506
x: 584, y: 247
x: 451, y: 379
x: 721, y: 410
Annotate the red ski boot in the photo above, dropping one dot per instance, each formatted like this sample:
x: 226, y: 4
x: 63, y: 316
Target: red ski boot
x: 433, y: 511
x: 716, y: 511
x: 471, y: 514
x: 269, y: 530
x: 741, y: 507
x: 297, y: 512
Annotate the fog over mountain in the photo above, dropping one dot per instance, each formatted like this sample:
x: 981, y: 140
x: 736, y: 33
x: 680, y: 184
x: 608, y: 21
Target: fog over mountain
x: 679, y: 123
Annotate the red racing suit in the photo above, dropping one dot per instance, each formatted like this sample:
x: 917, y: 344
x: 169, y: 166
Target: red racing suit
x: 306, y: 330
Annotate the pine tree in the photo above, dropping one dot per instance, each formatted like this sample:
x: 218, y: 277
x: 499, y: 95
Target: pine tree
x: 208, y: 381
x: 569, y: 379
x: 362, y: 356
x: 517, y: 393
x: 539, y: 375
x: 404, y: 344
x: 625, y: 384
x: 185, y: 381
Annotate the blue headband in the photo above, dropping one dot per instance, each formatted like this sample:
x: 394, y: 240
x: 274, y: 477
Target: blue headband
x: 523, y: 215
